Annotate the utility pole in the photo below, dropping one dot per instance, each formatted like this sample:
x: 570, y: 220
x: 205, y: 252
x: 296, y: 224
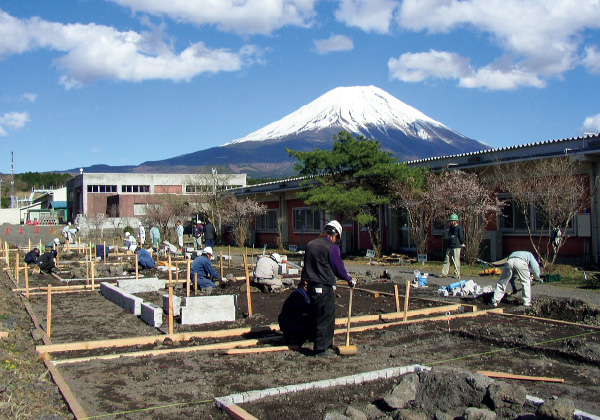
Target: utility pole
x: 13, y: 200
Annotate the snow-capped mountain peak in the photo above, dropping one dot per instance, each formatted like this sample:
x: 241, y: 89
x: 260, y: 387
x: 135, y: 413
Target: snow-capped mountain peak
x: 358, y: 109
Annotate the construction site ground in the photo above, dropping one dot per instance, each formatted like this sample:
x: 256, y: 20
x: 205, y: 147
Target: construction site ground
x: 166, y: 379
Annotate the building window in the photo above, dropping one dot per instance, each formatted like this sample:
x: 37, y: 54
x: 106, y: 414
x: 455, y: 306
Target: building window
x: 139, y: 209
x: 307, y: 220
x: 102, y: 188
x: 512, y: 216
x: 267, y: 221
x: 135, y: 188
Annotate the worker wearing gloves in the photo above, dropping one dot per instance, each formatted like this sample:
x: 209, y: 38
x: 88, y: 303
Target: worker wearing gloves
x: 155, y: 238
x: 456, y: 241
x: 145, y: 260
x: 266, y: 274
x: 203, y: 267
x: 521, y: 264
x: 130, y: 242
x: 322, y: 264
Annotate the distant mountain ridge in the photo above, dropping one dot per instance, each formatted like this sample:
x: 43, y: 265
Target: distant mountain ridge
x: 403, y: 130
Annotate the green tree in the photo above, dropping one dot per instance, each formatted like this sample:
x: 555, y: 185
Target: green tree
x: 353, y: 179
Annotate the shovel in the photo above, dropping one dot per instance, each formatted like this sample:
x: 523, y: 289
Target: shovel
x: 348, y: 350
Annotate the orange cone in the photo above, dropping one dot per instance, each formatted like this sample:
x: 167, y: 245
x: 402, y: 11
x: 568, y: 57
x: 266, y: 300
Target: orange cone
x: 7, y: 230
x: 21, y: 229
x: 51, y: 229
x: 36, y: 229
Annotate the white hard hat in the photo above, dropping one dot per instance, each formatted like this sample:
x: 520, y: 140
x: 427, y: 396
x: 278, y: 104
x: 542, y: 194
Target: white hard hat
x: 56, y: 241
x: 127, y: 233
x: 276, y: 257
x: 208, y: 250
x: 336, y: 225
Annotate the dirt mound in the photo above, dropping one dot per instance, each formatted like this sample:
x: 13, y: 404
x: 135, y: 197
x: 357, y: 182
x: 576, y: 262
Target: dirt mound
x: 571, y: 310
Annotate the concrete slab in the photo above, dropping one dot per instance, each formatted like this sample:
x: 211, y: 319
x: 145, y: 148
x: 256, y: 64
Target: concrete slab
x: 152, y: 314
x: 141, y: 285
x: 206, y: 309
x: 176, y: 305
x: 120, y: 297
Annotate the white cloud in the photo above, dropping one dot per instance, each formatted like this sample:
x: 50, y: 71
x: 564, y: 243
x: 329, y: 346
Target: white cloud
x: 368, y: 15
x: 94, y: 52
x: 13, y: 121
x: 540, y: 39
x: 416, y: 67
x: 243, y: 17
x: 591, y: 124
x: 591, y: 60
x: 30, y: 97
x: 334, y: 43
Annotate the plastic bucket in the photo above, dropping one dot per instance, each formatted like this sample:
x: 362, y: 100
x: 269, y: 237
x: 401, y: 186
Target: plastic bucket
x: 422, y: 280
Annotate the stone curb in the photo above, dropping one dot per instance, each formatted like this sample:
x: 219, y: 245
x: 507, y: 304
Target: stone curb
x: 246, y: 397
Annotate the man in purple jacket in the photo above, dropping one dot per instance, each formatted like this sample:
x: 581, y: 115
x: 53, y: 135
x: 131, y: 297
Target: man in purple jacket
x: 322, y: 265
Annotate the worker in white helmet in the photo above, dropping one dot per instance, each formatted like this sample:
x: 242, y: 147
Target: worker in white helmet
x: 322, y: 265
x: 203, y: 268
x: 266, y: 274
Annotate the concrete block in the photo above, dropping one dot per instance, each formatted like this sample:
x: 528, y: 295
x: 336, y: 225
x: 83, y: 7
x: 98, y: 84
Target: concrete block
x: 206, y: 309
x: 254, y: 395
x: 322, y: 384
x: 291, y: 388
x: 141, y: 285
x: 293, y: 271
x: 120, y: 297
x: 176, y: 305
x: 237, y: 398
x: 270, y: 392
x: 223, y: 402
x: 152, y: 314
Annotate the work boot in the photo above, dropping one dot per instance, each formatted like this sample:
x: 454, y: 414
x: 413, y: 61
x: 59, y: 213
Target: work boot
x: 329, y: 353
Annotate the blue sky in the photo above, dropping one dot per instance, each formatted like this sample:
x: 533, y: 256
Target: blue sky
x: 125, y: 81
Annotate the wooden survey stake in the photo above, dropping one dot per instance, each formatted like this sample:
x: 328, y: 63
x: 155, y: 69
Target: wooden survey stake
x: 49, y: 312
x: 248, y: 293
x: 396, y: 298
x: 26, y: 282
x: 187, y: 283
x: 406, y: 300
x: 171, y: 310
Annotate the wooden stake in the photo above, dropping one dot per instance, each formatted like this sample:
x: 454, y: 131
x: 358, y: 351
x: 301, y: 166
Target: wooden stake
x: 170, y: 271
x: 491, y: 374
x: 7, y: 253
x: 187, y: 283
x: 397, y: 298
x: 221, y: 266
x: 92, y: 269
x: 195, y: 283
x: 177, y: 271
x: 170, y: 309
x: 248, y: 294
x: 29, y: 240
x: 406, y: 300
x: 49, y: 311
x: 87, y: 271
x: 228, y: 256
x: 17, y: 268
x: 26, y: 282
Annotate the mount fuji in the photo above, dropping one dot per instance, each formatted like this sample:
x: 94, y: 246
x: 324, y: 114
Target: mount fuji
x: 403, y: 130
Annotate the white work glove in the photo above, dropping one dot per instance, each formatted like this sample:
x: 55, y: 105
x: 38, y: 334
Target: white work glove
x: 224, y: 280
x: 352, y: 283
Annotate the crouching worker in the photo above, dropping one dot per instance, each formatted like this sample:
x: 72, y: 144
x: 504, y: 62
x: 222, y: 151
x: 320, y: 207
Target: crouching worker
x: 145, y: 260
x: 102, y: 252
x: 205, y: 271
x: 521, y: 265
x: 266, y: 275
x: 295, y: 320
x: 46, y: 261
x: 32, y: 256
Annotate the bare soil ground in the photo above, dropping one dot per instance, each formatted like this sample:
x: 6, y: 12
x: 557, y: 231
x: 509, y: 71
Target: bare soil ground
x: 176, y: 385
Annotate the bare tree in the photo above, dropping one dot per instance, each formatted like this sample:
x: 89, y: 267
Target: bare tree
x: 95, y: 226
x: 164, y: 210
x: 280, y: 223
x: 465, y: 194
x: 554, y: 191
x: 240, y: 213
x: 413, y: 198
